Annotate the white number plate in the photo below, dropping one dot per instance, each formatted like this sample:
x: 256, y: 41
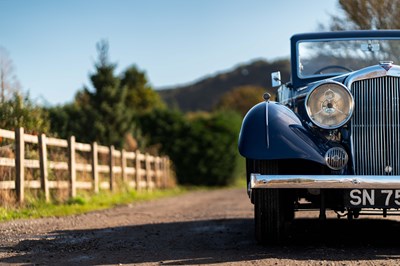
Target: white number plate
x: 379, y: 198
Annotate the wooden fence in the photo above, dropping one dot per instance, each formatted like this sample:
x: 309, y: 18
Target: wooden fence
x: 136, y: 170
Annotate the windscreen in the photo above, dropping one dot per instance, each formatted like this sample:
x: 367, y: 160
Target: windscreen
x: 327, y: 57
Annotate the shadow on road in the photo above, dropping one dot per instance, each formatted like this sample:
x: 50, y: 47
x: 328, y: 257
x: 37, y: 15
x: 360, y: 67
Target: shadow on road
x: 211, y: 241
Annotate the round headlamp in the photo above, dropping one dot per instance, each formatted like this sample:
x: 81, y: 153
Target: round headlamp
x: 329, y: 105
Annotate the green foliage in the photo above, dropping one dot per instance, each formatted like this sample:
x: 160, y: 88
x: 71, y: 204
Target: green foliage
x: 77, y: 200
x: 202, y: 148
x: 241, y: 99
x: 140, y: 96
x: 71, y: 119
x: 83, y: 203
x: 106, y: 113
x: 106, y: 104
x: 20, y: 111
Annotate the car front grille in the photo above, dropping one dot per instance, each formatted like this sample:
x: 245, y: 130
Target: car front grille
x: 376, y: 126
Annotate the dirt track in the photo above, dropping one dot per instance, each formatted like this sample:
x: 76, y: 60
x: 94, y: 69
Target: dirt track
x: 197, y: 228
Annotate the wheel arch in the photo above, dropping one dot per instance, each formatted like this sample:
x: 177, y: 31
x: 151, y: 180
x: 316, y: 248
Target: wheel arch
x: 271, y: 131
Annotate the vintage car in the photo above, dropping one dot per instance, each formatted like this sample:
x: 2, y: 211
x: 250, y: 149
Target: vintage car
x: 332, y: 139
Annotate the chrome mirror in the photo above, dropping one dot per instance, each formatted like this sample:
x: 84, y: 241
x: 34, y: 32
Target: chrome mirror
x: 276, y: 79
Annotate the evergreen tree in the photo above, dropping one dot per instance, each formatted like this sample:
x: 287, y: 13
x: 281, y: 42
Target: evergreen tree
x: 111, y: 120
x: 106, y: 113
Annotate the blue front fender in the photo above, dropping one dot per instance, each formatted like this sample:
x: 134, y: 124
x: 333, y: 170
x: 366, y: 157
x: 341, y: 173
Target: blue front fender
x: 272, y: 131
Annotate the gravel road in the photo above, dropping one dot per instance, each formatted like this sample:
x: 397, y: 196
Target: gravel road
x: 203, y: 227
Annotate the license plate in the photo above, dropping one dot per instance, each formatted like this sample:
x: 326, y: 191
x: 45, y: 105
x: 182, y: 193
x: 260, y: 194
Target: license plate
x: 373, y: 198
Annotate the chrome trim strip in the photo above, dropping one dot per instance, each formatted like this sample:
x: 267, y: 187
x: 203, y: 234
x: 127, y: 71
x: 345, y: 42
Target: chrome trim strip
x: 324, y: 181
x: 267, y: 124
x: 372, y: 72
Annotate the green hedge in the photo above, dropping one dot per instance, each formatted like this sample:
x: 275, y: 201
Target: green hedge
x: 202, y: 147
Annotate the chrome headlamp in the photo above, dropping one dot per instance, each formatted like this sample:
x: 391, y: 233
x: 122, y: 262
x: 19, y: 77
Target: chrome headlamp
x: 329, y: 105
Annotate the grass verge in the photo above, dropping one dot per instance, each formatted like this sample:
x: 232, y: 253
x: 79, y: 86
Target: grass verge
x: 34, y: 208
x: 239, y: 183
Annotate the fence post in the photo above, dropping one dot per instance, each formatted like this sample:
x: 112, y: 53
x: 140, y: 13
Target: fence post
x: 148, y: 171
x: 165, y: 169
x: 168, y: 169
x: 123, y: 167
x: 19, y: 164
x: 95, y: 163
x: 111, y: 165
x: 162, y: 172
x: 72, y: 167
x: 138, y: 170
x: 157, y: 171
x: 44, y: 184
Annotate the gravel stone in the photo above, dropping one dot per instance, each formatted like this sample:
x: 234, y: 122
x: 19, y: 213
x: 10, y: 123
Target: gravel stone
x: 203, y: 227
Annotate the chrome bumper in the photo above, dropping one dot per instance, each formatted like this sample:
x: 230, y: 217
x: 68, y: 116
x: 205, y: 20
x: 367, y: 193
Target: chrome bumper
x: 324, y: 181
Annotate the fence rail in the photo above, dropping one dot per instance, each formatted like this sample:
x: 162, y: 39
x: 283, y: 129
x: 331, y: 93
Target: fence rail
x: 136, y: 170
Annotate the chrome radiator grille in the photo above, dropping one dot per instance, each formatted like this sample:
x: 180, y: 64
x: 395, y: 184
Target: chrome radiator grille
x: 376, y: 126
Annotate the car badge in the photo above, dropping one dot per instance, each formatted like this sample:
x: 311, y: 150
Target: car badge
x: 388, y: 169
x: 386, y: 65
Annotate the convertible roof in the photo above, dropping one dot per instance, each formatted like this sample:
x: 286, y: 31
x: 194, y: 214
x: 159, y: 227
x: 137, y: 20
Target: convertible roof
x: 345, y: 34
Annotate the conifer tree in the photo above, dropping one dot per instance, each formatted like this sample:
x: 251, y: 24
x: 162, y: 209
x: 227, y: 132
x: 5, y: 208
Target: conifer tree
x: 111, y: 120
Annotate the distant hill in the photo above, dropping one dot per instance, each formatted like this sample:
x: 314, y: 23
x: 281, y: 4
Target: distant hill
x: 203, y: 95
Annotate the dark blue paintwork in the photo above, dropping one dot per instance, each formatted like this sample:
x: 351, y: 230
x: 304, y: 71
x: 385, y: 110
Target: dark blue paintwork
x: 297, y: 82
x: 284, y: 138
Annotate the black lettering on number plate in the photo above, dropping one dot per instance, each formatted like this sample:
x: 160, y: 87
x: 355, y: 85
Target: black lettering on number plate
x: 379, y: 198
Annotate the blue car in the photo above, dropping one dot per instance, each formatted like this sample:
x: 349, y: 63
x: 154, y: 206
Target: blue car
x: 332, y: 139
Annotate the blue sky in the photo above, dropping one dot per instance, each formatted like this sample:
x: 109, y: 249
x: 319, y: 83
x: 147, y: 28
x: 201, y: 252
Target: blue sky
x: 53, y: 43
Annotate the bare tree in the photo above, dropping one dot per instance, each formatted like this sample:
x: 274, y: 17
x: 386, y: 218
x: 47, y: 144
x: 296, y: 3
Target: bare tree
x: 9, y: 83
x: 365, y: 14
